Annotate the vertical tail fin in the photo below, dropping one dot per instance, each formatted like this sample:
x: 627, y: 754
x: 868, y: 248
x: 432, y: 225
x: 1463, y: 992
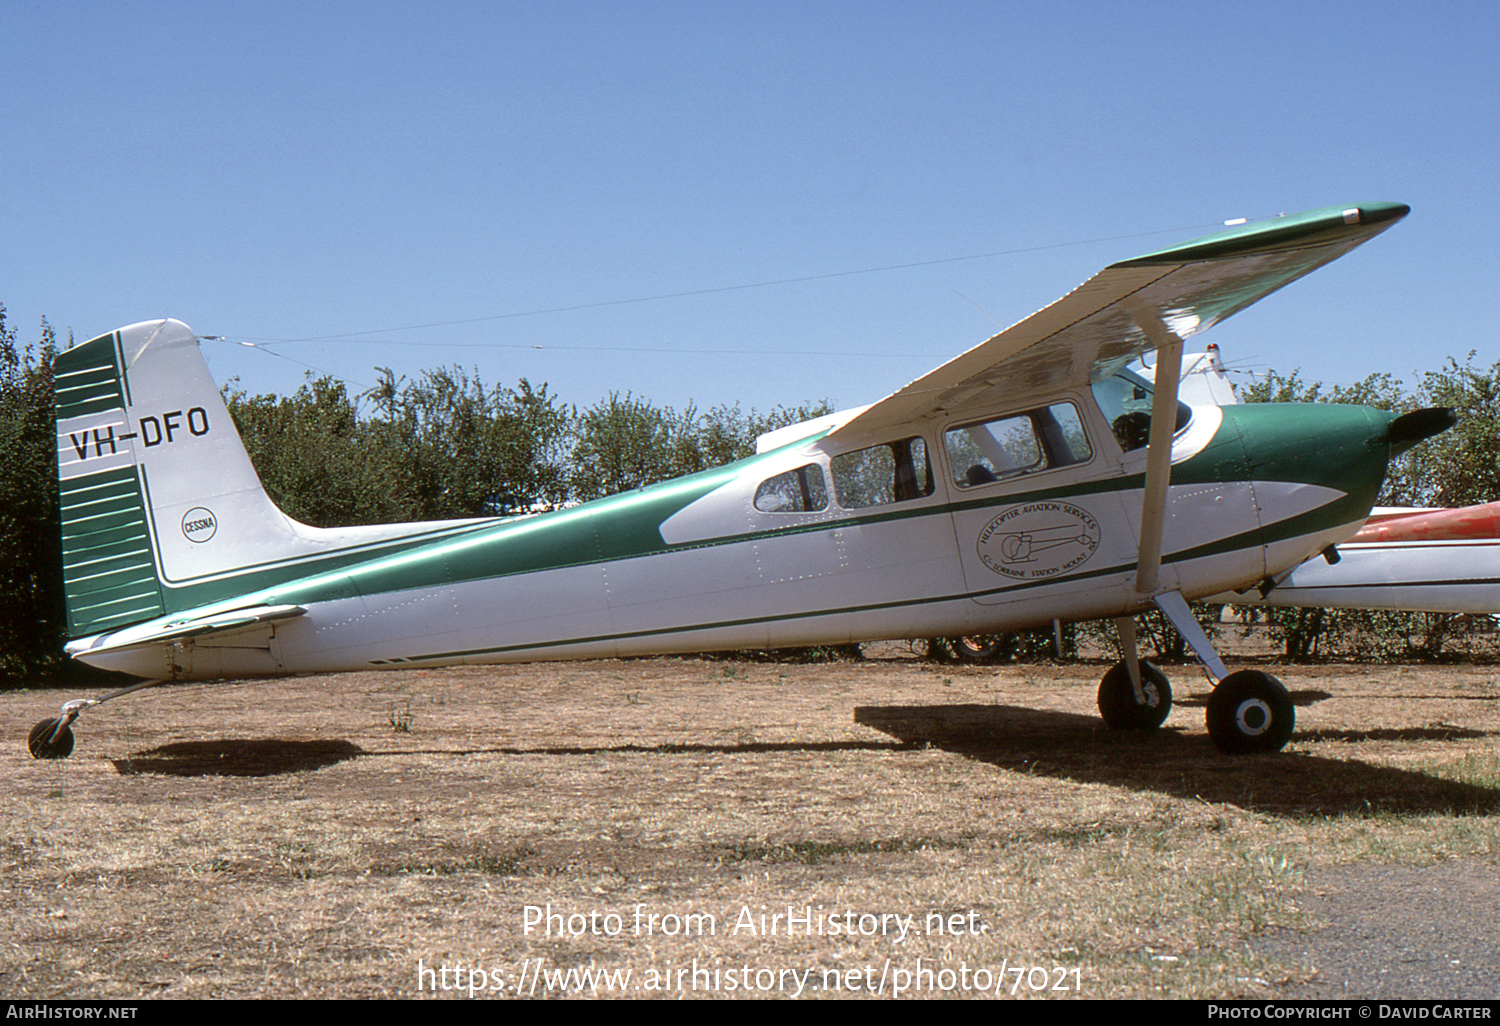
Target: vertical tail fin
x: 158, y: 495
x: 162, y: 509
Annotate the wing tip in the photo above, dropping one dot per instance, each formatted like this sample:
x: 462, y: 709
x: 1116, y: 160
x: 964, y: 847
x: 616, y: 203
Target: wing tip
x: 1288, y: 231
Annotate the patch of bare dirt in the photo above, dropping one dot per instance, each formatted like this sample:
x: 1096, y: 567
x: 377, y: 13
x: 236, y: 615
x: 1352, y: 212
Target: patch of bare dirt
x: 485, y: 830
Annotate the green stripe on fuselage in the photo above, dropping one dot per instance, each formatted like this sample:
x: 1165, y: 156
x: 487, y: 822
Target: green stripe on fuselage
x: 1292, y: 527
x: 1255, y: 443
x: 621, y: 526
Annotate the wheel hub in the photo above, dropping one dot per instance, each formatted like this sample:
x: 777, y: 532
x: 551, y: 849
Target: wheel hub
x: 1252, y: 716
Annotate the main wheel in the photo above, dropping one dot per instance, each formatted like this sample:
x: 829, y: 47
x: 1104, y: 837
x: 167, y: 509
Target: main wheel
x: 59, y: 747
x: 979, y: 648
x: 1117, y: 702
x: 1250, y: 712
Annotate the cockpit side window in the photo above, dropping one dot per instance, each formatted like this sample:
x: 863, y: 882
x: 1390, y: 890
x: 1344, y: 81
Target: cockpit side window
x: 1125, y: 400
x: 892, y: 472
x: 797, y: 491
x: 1022, y: 443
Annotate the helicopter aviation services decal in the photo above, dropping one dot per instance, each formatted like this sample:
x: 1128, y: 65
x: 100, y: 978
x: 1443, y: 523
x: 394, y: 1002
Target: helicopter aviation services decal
x: 1038, y: 539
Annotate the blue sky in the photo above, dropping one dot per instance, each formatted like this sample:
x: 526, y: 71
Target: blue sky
x: 504, y: 186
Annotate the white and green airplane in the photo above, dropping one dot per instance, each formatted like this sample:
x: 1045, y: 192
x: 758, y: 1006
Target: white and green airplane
x: 1032, y: 478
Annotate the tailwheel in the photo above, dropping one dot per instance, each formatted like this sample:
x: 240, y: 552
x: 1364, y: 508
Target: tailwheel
x: 50, y: 739
x: 1250, y: 712
x: 1118, y: 704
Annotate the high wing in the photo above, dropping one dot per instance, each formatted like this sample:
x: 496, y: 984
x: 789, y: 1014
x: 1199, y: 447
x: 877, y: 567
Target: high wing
x: 1096, y: 329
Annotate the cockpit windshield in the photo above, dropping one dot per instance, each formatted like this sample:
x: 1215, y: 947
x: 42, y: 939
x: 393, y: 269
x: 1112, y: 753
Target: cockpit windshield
x: 1125, y: 400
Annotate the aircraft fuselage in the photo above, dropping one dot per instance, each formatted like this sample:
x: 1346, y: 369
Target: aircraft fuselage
x: 811, y: 544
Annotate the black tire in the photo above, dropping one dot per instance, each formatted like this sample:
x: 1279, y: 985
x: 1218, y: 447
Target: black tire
x: 980, y: 648
x: 59, y: 747
x: 1250, y: 712
x: 1117, y: 702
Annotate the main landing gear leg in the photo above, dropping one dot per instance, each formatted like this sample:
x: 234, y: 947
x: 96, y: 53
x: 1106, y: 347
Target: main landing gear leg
x: 53, y: 739
x: 1249, y: 711
x: 1133, y: 695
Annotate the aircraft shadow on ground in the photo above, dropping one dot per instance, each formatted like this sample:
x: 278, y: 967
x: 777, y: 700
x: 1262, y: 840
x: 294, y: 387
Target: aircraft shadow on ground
x: 1066, y: 746
x: 234, y: 757
x: 1079, y: 748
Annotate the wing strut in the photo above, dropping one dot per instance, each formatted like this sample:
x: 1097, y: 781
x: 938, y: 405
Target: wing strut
x: 1176, y: 610
x: 1154, y: 501
x: 1159, y: 447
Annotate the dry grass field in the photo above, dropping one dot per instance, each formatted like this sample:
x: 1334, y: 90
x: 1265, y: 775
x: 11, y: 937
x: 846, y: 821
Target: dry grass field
x: 689, y: 828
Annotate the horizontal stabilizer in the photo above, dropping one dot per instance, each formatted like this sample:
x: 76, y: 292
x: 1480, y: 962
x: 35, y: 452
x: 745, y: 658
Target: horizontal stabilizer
x: 158, y: 633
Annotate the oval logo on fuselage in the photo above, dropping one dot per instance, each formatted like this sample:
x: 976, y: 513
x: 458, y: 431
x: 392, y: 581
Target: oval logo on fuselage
x: 198, y: 524
x: 1038, y: 539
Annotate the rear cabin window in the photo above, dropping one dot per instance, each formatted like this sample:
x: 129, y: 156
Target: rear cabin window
x: 882, y: 474
x: 797, y: 491
x: 1022, y: 443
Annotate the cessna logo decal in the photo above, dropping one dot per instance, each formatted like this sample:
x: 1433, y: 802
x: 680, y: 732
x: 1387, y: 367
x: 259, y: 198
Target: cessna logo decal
x: 1038, y: 539
x: 198, y: 524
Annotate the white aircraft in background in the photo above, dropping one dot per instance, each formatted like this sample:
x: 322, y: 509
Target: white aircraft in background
x: 1205, y: 380
x: 1029, y: 479
x: 1417, y: 560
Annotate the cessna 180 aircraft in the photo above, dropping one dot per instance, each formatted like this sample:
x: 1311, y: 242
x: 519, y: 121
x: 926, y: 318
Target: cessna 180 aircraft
x: 1029, y: 479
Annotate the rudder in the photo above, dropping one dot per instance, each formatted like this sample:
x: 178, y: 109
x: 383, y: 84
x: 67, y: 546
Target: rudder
x: 109, y: 571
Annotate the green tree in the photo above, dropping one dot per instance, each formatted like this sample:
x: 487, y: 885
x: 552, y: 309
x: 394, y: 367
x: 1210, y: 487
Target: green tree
x: 316, y: 458
x: 471, y: 451
x: 32, y: 620
x: 625, y: 442
x: 1461, y: 467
